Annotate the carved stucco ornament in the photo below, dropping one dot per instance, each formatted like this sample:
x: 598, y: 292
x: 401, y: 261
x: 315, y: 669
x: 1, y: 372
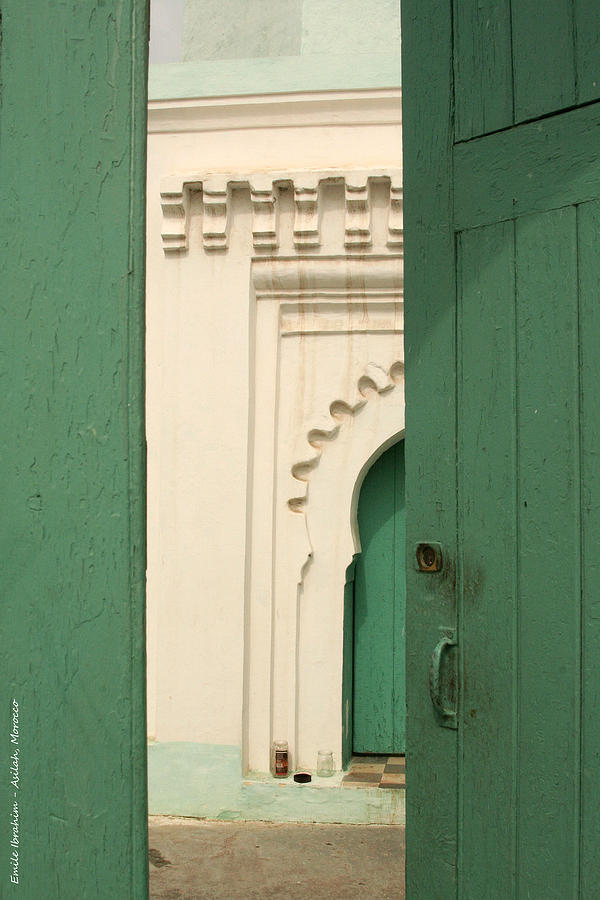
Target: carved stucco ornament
x: 307, y: 187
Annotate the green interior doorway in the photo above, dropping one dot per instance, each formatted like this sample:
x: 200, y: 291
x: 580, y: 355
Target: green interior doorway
x: 379, y: 645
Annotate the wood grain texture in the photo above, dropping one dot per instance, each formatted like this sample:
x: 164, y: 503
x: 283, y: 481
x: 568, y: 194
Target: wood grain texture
x: 487, y: 530
x: 431, y: 834
x: 543, y: 57
x: 520, y: 526
x: 521, y: 61
x: 548, y: 548
x: 72, y: 173
x: 587, y: 49
x: 520, y: 550
x: 557, y: 165
x: 379, y: 707
x: 588, y: 229
x: 483, y: 76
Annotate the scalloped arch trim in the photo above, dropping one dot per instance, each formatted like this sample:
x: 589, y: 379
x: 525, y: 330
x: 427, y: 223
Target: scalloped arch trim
x: 374, y: 380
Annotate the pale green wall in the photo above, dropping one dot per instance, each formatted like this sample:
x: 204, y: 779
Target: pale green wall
x: 204, y: 781
x: 257, y: 46
x: 351, y: 26
x: 238, y: 29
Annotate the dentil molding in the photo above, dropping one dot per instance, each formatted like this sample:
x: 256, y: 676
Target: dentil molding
x: 216, y: 191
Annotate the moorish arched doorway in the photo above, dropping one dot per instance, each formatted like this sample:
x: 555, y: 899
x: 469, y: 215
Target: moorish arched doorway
x: 379, y: 646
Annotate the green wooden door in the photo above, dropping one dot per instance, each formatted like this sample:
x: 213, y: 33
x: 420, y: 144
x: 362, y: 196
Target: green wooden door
x: 72, y: 536
x: 502, y: 188
x: 379, y: 701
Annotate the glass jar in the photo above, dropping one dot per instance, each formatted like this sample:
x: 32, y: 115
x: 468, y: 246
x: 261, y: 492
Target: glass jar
x: 279, y: 759
x: 324, y: 763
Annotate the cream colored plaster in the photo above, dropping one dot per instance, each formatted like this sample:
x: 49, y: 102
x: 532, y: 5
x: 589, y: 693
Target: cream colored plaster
x: 334, y: 488
x: 260, y: 332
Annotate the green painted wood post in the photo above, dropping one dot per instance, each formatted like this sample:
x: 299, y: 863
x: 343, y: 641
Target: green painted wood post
x: 72, y: 175
x: 430, y: 453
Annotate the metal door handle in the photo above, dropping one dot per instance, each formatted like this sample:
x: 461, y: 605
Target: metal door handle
x: 448, y: 716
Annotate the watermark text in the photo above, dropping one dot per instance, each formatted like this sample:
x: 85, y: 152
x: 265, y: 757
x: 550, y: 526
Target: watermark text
x: 15, y: 787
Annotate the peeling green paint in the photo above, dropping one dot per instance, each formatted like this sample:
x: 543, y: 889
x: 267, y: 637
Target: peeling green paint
x: 72, y: 533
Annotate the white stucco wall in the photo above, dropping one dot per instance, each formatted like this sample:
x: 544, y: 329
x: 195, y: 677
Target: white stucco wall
x: 247, y: 348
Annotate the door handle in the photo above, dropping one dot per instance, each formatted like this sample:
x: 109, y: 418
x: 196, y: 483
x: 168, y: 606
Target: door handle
x: 448, y: 717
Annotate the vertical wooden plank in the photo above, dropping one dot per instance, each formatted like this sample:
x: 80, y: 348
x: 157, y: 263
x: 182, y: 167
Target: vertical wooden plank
x: 374, y: 579
x: 543, y: 57
x: 587, y: 49
x: 431, y: 836
x: 589, y: 337
x: 487, y: 525
x: 483, y: 88
x: 548, y: 554
x: 72, y: 540
x: 399, y: 623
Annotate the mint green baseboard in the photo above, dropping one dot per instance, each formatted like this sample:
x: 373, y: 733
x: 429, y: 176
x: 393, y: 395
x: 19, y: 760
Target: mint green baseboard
x: 205, y: 781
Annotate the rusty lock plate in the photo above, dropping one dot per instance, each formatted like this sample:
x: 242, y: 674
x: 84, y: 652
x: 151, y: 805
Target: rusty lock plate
x: 428, y: 556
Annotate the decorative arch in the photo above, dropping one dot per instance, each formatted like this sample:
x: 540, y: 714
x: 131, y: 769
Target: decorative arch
x: 331, y: 526
x: 374, y: 380
x: 349, y: 421
x: 327, y: 336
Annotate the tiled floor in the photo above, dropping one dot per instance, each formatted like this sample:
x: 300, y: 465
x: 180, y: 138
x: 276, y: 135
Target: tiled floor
x: 376, y: 771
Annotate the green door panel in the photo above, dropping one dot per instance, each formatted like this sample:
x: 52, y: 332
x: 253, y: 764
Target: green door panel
x: 588, y: 273
x: 486, y: 406
x: 502, y: 274
x: 72, y: 536
x: 520, y: 61
x: 379, y: 707
x: 518, y: 494
x: 483, y: 76
x: 548, y: 516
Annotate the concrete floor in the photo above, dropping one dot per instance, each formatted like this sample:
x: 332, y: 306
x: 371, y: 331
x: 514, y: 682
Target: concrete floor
x: 193, y: 859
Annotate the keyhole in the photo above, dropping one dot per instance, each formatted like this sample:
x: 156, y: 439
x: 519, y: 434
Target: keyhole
x: 428, y: 556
